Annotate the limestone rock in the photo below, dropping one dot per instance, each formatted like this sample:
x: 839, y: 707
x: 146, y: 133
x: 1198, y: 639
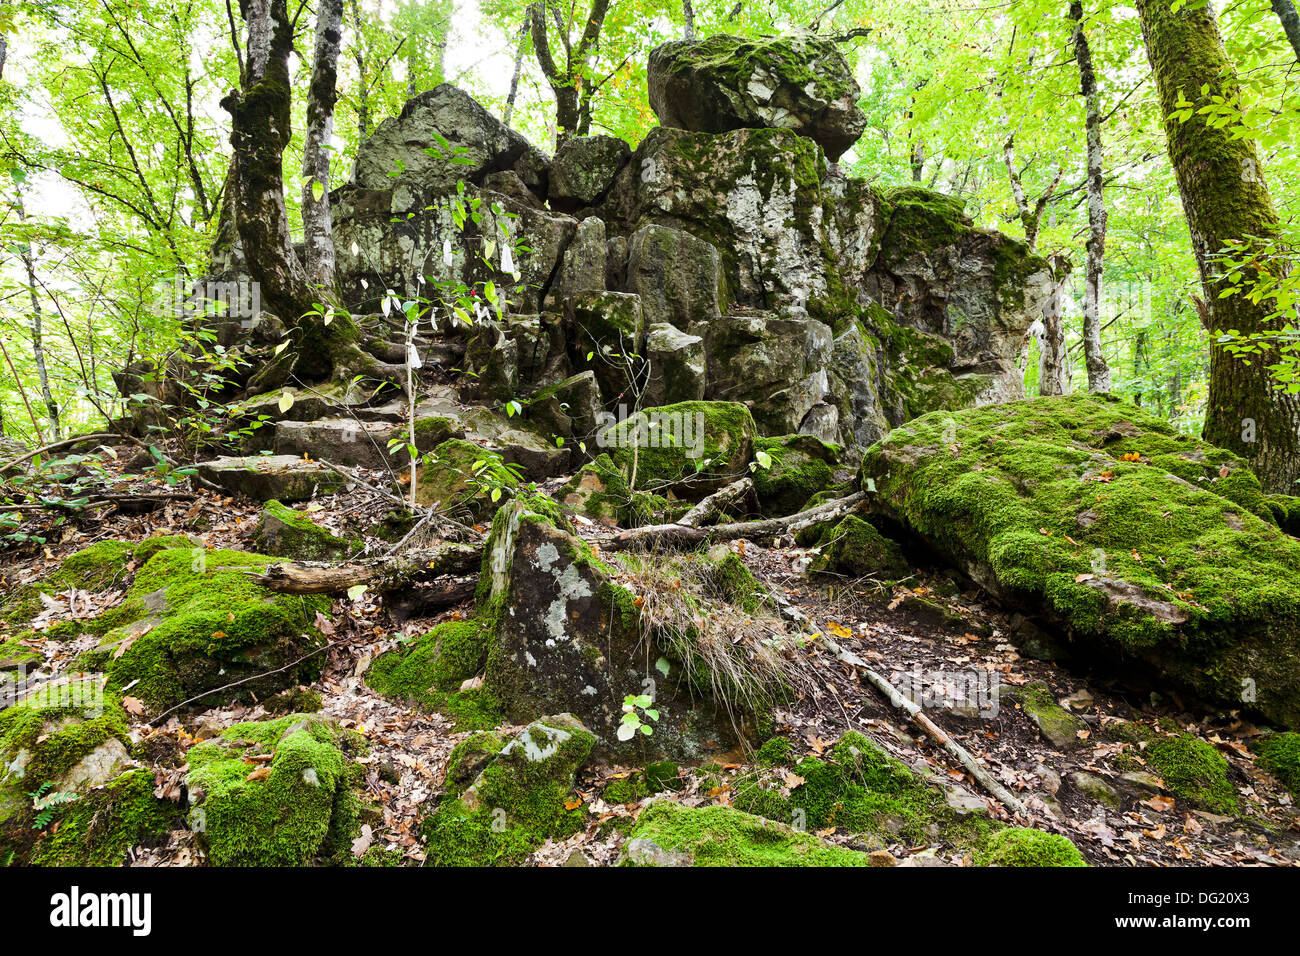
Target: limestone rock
x: 677, y: 365
x: 798, y: 82
x: 583, y: 169
x: 279, y: 477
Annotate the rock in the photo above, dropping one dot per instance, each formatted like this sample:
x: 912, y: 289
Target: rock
x: 569, y: 409
x: 293, y: 809
x: 1094, y: 787
x: 583, y: 169
x: 278, y: 477
x: 286, y: 533
x: 799, y: 82
x: 514, y: 440
x: 583, y: 267
x: 1166, y: 563
x: 194, y: 621
x: 452, y: 478
x: 854, y: 376
x: 691, y: 448
x: 395, y: 153
x: 676, y: 275
x: 568, y: 634
x: 978, y: 290
x: 608, y: 333
x: 881, y: 858
x: 1195, y: 772
x: 852, y: 547
x: 798, y: 467
x: 307, y: 405
x: 341, y: 441
x: 1039, y: 704
x: 776, y: 364
x: 669, y: 834
x: 598, y: 491
x: 517, y: 800
x: 677, y: 365
x: 1143, y: 780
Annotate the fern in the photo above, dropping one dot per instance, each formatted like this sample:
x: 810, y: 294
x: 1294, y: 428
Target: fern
x: 44, y: 803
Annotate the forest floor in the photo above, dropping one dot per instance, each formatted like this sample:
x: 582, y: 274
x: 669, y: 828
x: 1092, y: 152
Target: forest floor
x: 1142, y: 824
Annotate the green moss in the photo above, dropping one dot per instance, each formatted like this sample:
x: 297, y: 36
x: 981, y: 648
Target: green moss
x: 96, y: 568
x: 857, y: 788
x: 599, y: 491
x: 432, y: 668
x: 194, y: 620
x: 853, y: 547
x: 284, y: 532
x: 776, y: 752
x: 731, y: 581
x: 1017, y: 846
x: 671, y: 452
x: 1279, y: 754
x: 516, y: 801
x: 303, y: 810
x: 1194, y: 771
x: 722, y: 836
x: 638, y: 785
x: 1097, y: 513
x: 461, y: 475
x: 1056, y: 724
x: 800, y: 466
x: 101, y: 826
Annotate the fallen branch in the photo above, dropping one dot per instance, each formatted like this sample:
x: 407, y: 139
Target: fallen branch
x: 55, y: 446
x: 716, y: 502
x: 680, y: 534
x: 382, y: 574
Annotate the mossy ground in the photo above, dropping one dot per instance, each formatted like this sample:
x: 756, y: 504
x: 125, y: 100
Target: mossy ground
x: 1279, y: 754
x: 284, y: 532
x: 298, y: 807
x: 100, y: 827
x: 431, y: 669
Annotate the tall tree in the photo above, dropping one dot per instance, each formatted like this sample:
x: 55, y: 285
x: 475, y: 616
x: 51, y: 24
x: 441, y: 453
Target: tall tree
x: 318, y: 235
x: 1094, y: 356
x: 1286, y: 12
x: 1226, y: 202
x: 569, y: 77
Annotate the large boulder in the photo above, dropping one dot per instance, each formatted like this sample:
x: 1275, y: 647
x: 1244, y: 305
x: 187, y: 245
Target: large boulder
x: 412, y: 147
x: 799, y: 82
x: 263, y: 478
x: 1151, y: 550
x: 568, y: 635
x: 583, y: 169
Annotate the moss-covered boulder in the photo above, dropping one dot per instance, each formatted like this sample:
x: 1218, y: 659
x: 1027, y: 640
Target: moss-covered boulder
x: 669, y: 834
x: 1143, y: 545
x: 275, y: 793
x: 1279, y: 754
x: 287, y: 533
x: 798, y: 82
x: 854, y: 548
x: 521, y: 796
x: 598, y: 490
x: 790, y: 471
x: 1017, y: 846
x: 459, y: 476
x: 431, y: 669
x: 690, y: 449
x: 1054, y: 722
x: 104, y: 824
x: 66, y: 736
x: 567, y: 633
x: 1193, y: 770
x: 194, y: 620
x: 858, y: 788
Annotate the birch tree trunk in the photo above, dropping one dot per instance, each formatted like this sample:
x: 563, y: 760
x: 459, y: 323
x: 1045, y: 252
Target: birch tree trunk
x: 318, y: 235
x: 1286, y: 12
x: 521, y: 48
x: 1225, y: 199
x: 1094, y: 357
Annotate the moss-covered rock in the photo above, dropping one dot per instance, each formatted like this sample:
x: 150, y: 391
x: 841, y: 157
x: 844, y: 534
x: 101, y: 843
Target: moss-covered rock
x: 194, y: 620
x: 287, y: 533
x: 104, y: 824
x: 598, y: 491
x: 1142, y: 544
x: 275, y: 793
x: 853, y: 547
x: 798, y: 467
x: 1194, y: 771
x: 460, y: 475
x: 1016, y: 846
x: 431, y: 669
x: 95, y: 568
x: 67, y: 736
x: 520, y: 798
x: 1279, y: 754
x: 1057, y: 725
x: 669, y: 834
x: 858, y: 788
x: 692, y: 448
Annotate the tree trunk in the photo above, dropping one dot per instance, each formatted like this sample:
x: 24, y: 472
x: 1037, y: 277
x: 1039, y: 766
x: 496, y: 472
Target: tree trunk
x: 38, y: 320
x: 1286, y: 12
x: 521, y: 48
x: 1225, y: 199
x: 363, y: 82
x: 321, y: 97
x: 1094, y: 357
x: 1053, y: 356
x: 688, y: 21
x: 261, y: 130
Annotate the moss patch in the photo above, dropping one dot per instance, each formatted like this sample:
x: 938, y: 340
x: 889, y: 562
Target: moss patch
x: 690, y: 447
x: 1279, y: 754
x: 431, y: 669
x: 1017, y: 846
x: 287, y: 533
x: 1194, y: 771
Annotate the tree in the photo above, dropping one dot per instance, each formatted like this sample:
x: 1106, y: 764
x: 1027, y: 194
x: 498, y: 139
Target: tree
x: 569, y: 78
x: 1094, y: 356
x: 1226, y: 202
x: 318, y: 235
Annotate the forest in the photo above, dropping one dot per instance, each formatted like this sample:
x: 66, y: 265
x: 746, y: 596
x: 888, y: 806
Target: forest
x: 754, y: 433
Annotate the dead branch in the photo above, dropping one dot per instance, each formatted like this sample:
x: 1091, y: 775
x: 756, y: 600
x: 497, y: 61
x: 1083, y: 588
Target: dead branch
x: 382, y: 574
